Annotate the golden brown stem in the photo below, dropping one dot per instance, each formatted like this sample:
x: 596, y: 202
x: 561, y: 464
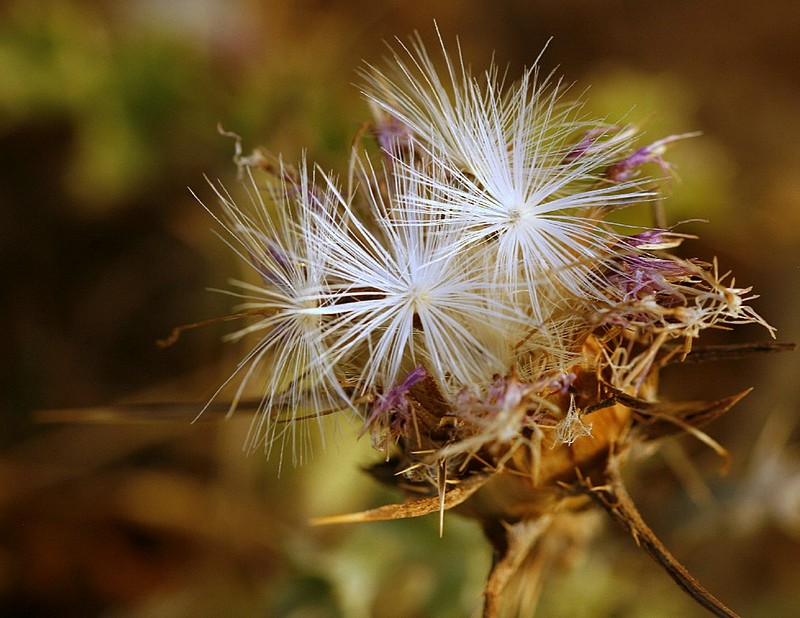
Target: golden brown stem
x: 512, y: 543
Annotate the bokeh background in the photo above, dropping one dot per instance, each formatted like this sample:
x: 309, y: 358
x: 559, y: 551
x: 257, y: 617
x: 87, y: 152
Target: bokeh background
x: 109, y: 111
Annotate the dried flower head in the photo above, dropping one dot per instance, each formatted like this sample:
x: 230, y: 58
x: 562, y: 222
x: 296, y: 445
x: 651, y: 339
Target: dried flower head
x: 292, y: 362
x: 499, y: 338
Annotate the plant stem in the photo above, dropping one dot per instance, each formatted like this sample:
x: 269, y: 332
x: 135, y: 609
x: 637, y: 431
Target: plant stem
x: 616, y: 501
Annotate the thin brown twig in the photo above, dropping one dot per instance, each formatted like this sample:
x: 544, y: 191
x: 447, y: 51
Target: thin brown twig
x: 176, y: 332
x: 613, y: 497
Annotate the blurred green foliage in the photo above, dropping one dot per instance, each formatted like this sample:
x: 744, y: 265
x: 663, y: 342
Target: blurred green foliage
x: 130, y: 98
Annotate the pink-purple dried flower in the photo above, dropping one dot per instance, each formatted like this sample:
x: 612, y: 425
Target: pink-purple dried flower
x: 629, y: 167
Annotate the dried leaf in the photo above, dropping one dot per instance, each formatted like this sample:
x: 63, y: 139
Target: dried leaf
x: 710, y: 353
x: 669, y: 418
x: 414, y: 508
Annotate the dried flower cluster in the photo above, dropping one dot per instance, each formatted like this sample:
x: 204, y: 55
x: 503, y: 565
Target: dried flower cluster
x: 464, y: 294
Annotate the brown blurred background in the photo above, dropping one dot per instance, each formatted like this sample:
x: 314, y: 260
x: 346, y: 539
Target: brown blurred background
x: 108, y: 112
